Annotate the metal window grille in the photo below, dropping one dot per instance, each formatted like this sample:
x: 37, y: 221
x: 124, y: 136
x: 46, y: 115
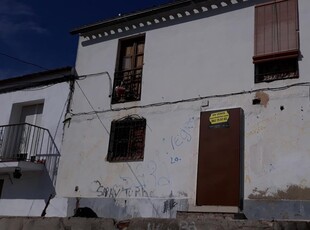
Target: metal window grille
x: 127, y: 140
x: 276, y: 70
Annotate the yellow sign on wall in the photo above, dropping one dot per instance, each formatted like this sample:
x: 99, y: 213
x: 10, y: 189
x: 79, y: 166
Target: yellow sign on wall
x: 219, y: 117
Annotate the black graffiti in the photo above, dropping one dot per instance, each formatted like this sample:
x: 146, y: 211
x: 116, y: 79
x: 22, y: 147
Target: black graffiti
x: 120, y: 191
x: 169, y: 205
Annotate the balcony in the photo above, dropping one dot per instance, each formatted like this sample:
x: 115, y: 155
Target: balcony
x: 127, y: 86
x: 28, y: 147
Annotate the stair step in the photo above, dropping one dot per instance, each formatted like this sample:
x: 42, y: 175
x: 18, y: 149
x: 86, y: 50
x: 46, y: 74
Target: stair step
x: 210, y: 215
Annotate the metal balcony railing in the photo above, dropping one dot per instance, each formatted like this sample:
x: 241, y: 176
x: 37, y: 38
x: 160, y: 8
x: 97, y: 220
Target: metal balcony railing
x: 26, y: 142
x: 127, y: 85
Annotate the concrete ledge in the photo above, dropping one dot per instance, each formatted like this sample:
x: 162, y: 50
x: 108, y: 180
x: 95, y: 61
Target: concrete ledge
x: 54, y: 223
x: 277, y: 209
x: 220, y: 209
x: 193, y: 223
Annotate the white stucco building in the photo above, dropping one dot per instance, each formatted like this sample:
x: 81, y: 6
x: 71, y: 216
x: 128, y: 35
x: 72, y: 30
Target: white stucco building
x: 31, y: 130
x: 192, y: 106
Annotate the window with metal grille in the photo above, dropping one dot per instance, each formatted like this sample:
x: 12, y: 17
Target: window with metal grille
x: 276, y: 49
x: 127, y: 139
x: 276, y: 70
x: 128, y: 74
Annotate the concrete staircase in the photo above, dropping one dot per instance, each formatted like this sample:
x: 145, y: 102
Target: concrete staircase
x: 184, y: 221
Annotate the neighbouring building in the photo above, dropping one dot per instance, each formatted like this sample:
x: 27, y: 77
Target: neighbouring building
x: 196, y: 106
x: 31, y: 130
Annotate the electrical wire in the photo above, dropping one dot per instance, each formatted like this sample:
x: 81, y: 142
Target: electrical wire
x: 29, y: 85
x: 77, y: 83
x: 29, y: 63
x: 148, y: 197
x: 38, y: 88
x: 61, y: 116
x: 195, y: 99
x: 23, y: 61
x: 22, y: 83
x: 99, y: 74
x: 128, y: 165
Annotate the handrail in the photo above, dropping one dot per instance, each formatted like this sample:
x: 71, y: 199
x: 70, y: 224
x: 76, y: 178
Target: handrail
x: 28, y: 142
x: 127, y: 70
x: 127, y: 87
x: 39, y: 127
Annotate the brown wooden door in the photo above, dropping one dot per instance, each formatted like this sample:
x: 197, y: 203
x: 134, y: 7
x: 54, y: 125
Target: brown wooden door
x: 219, y: 160
x: 1, y: 186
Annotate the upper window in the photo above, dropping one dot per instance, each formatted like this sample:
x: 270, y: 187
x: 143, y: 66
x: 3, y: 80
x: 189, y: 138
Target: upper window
x: 276, y: 48
x: 127, y: 139
x: 128, y: 74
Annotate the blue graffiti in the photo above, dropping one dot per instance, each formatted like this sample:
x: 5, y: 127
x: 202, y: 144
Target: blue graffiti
x: 183, y: 136
x: 174, y: 160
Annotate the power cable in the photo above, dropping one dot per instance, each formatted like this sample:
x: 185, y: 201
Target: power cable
x: 98, y: 74
x: 77, y: 83
x: 23, y: 61
x: 128, y: 165
x: 195, y: 99
x: 38, y: 88
x: 61, y: 116
x: 148, y: 197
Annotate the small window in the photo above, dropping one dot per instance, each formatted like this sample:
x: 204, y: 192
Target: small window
x: 128, y: 74
x: 276, y: 70
x: 127, y: 139
x: 276, y: 48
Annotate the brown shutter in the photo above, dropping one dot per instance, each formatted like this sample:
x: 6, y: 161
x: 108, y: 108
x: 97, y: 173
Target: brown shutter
x: 276, y: 30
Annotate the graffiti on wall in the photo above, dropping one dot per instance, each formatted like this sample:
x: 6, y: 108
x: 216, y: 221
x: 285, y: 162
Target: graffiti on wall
x: 144, y: 178
x: 119, y: 191
x: 169, y: 205
x: 179, y: 139
x: 187, y: 225
x: 183, y: 135
x: 142, y: 182
x: 183, y: 225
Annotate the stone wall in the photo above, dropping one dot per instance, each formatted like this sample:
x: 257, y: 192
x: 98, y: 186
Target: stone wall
x: 193, y: 222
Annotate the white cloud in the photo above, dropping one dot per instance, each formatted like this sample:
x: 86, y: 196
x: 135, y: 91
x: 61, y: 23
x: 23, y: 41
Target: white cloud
x: 16, y: 18
x: 12, y: 7
x: 9, y: 28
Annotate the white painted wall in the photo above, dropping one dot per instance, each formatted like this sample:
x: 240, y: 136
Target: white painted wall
x: 27, y: 196
x: 54, y: 97
x: 205, y: 57
x: 176, y: 57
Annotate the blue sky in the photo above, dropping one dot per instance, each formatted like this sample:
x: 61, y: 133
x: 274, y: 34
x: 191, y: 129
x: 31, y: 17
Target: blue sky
x: 37, y: 31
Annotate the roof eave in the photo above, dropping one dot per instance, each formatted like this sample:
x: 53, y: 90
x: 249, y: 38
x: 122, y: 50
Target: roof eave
x: 53, y: 76
x: 133, y: 16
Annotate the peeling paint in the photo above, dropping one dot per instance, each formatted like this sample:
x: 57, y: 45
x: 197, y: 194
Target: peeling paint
x: 248, y: 179
x: 264, y: 98
x: 293, y: 192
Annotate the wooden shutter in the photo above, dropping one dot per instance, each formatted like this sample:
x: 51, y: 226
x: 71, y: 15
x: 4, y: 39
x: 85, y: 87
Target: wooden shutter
x: 276, y: 30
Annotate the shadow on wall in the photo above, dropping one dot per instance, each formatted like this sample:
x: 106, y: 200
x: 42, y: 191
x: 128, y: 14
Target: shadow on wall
x: 31, y: 185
